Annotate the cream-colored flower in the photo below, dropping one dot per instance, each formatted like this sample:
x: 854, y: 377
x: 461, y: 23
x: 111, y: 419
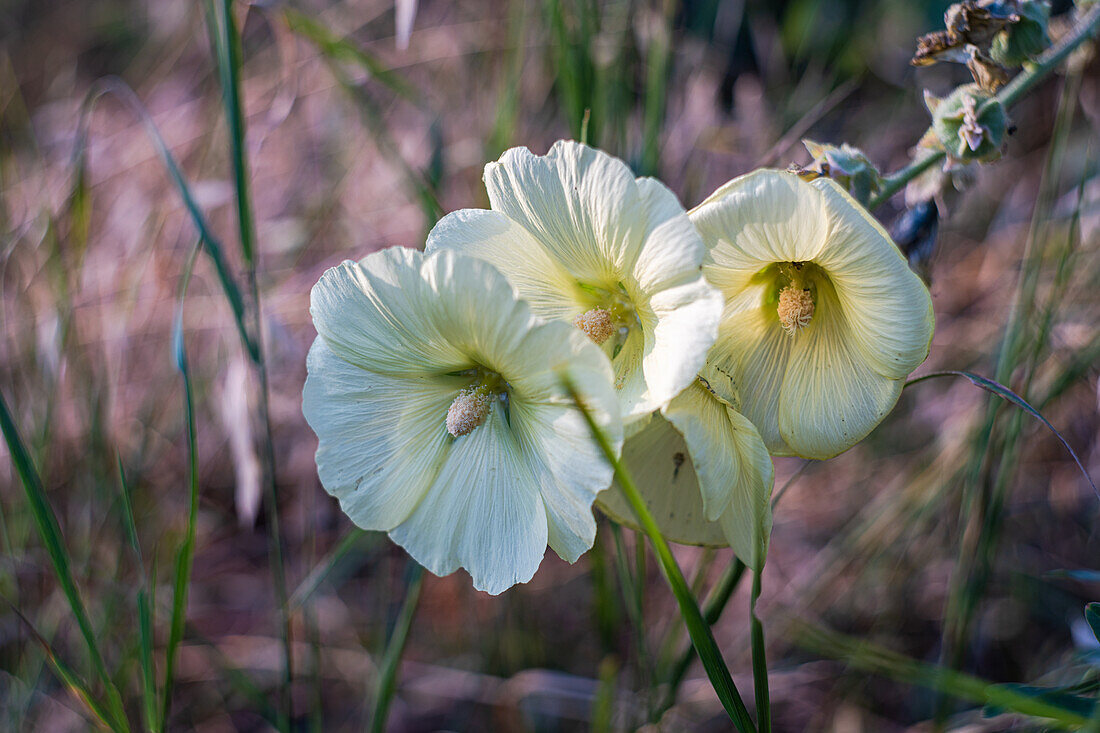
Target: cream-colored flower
x: 703, y: 471
x: 823, y: 318
x: 436, y: 395
x: 585, y: 242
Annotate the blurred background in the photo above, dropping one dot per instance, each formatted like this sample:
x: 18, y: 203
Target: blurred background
x: 960, y: 533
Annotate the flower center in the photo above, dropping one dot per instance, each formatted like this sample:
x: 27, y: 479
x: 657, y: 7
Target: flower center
x: 609, y: 319
x: 471, y: 406
x: 597, y: 323
x: 796, y: 308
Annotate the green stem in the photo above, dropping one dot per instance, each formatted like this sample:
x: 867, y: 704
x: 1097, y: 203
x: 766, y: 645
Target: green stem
x: 698, y: 628
x: 759, y: 661
x: 1011, y: 93
x: 387, y: 680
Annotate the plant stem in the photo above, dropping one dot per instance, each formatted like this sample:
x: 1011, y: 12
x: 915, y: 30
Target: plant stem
x: 698, y: 628
x: 1011, y: 93
x: 759, y: 661
x: 387, y: 680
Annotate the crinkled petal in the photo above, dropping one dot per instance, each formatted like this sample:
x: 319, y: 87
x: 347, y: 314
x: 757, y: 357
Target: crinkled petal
x: 753, y: 351
x: 581, y: 203
x: 491, y: 236
x: 382, y: 440
x: 888, y: 306
x: 747, y: 521
x: 483, y: 513
x: 762, y: 217
x: 831, y: 397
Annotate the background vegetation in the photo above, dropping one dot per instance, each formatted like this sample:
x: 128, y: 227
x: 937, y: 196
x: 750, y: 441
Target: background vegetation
x: 146, y: 581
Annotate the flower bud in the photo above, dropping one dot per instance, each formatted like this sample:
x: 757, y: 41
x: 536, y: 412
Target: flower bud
x: 970, y: 123
x: 1025, y: 38
x: 846, y: 165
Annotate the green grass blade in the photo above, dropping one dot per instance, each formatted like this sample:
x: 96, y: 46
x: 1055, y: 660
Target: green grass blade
x: 658, y: 60
x: 144, y: 609
x: 1008, y: 395
x: 387, y: 678
x: 212, y: 245
x: 182, y: 578
x: 759, y: 662
x: 68, y: 676
x: 868, y: 657
x: 353, y: 539
x: 227, y: 51
x: 343, y: 49
x: 50, y: 532
x: 698, y: 628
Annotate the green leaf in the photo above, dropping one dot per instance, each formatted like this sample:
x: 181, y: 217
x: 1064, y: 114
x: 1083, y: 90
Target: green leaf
x: 1076, y: 704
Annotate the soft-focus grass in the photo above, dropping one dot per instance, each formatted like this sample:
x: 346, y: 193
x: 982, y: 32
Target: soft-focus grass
x: 312, y: 140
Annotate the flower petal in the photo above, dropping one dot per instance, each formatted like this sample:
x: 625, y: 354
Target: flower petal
x: 658, y: 460
x: 753, y: 352
x: 581, y: 203
x: 493, y: 237
x: 831, y: 396
x: 382, y: 439
x: 377, y: 313
x: 685, y: 325
x: 762, y: 217
x: 483, y: 512
x: 672, y: 250
x: 747, y: 521
x: 888, y: 306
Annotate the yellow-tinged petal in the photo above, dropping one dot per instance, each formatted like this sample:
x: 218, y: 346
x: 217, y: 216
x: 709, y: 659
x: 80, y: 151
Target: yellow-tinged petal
x: 890, y: 309
x: 753, y: 351
x: 762, y: 217
x: 831, y: 396
x: 704, y: 472
x: 658, y: 460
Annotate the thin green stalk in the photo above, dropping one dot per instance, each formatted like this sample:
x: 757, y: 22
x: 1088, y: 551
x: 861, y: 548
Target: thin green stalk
x: 186, y: 553
x: 759, y: 661
x: 1011, y: 93
x: 387, y: 679
x: 49, y: 529
x: 144, y: 610
x: 698, y: 628
x: 229, y: 57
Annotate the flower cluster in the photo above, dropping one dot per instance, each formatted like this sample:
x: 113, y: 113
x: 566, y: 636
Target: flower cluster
x: 776, y: 318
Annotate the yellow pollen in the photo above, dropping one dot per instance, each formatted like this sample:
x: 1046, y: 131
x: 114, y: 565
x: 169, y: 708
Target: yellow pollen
x: 596, y: 323
x: 469, y: 409
x: 796, y: 308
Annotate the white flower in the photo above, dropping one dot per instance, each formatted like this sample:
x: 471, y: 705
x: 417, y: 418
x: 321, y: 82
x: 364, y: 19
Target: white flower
x: 704, y: 473
x: 437, y: 399
x: 823, y: 318
x: 585, y: 242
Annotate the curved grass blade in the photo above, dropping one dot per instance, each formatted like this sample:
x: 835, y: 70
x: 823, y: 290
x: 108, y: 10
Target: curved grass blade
x: 1008, y: 395
x: 67, y: 675
x: 49, y: 529
x: 387, y: 679
x: 187, y: 549
x: 868, y: 657
x: 227, y: 50
x: 144, y: 609
x: 698, y: 628
x: 122, y: 92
